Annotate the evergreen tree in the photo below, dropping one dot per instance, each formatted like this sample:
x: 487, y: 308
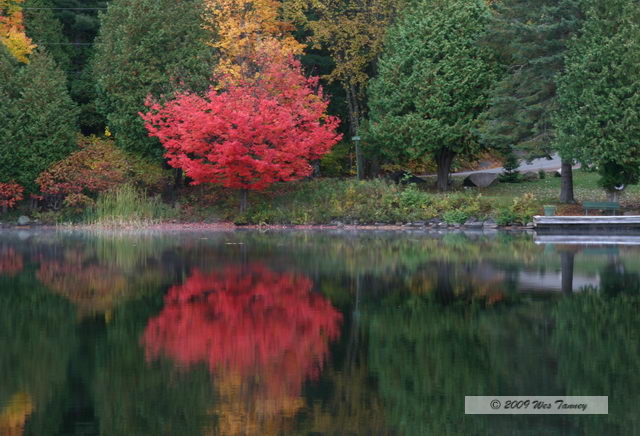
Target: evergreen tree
x: 79, y: 18
x: 147, y: 47
x: 599, y: 94
x: 41, y: 119
x: 433, y: 83
x: 45, y: 30
x: 532, y: 36
x: 80, y: 24
x: 8, y: 110
x: 510, y: 164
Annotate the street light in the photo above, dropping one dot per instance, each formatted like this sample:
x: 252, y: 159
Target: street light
x: 359, y: 168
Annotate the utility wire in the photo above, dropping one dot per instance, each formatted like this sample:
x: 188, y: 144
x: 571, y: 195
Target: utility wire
x: 67, y: 9
x: 66, y: 43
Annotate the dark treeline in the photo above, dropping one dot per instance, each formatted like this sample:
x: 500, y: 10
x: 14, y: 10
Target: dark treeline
x: 441, y: 81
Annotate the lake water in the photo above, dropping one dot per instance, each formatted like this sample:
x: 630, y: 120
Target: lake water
x: 310, y: 333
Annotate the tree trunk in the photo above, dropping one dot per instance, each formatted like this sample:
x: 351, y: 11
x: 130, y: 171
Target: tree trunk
x: 244, y: 200
x: 374, y: 166
x: 178, y: 181
x: 178, y: 178
x: 315, y: 164
x: 566, y: 187
x: 566, y: 258
x: 613, y: 195
x: 354, y: 124
x: 444, y: 286
x: 444, y: 159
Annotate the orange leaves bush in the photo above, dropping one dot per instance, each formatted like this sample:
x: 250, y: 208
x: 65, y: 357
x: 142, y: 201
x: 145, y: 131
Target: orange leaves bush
x: 97, y: 167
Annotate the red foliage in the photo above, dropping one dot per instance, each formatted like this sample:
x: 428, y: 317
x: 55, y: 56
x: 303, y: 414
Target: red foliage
x: 10, y: 194
x: 251, y: 134
x: 249, y: 321
x: 11, y: 262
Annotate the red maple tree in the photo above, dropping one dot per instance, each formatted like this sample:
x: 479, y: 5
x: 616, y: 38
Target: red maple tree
x: 252, y: 132
x: 249, y: 321
x: 10, y: 194
x: 11, y: 262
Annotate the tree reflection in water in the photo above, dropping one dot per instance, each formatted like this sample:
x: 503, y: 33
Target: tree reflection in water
x: 262, y: 334
x: 11, y: 262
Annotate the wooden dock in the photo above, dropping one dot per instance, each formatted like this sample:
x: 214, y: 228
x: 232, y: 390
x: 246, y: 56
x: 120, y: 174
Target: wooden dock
x: 600, y: 224
x: 587, y: 240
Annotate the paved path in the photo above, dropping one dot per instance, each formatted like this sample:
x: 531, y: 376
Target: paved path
x: 537, y: 164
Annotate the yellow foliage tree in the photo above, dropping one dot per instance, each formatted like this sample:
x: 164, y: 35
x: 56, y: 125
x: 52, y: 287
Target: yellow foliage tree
x: 353, y: 33
x: 244, y: 27
x: 12, y: 33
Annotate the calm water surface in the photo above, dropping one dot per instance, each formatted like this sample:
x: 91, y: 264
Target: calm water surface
x: 302, y: 333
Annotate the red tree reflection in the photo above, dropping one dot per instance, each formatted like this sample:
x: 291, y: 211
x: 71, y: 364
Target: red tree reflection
x: 11, y: 263
x: 249, y: 321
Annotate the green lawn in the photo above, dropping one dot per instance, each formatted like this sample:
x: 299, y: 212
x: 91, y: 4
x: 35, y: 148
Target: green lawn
x: 548, y: 190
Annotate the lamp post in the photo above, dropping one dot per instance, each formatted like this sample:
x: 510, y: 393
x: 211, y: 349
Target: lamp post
x: 359, y: 166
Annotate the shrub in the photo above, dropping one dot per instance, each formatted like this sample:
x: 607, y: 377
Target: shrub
x: 10, y: 194
x: 455, y: 216
x: 413, y: 198
x: 99, y: 166
x: 505, y: 217
x: 524, y: 208
x: 475, y: 206
x: 146, y: 175
x: 521, y: 211
x: 78, y: 202
x: 336, y: 163
x: 367, y: 202
x: 511, y: 165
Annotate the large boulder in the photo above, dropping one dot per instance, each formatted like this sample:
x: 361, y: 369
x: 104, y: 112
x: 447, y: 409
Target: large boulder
x: 23, y: 220
x: 480, y: 180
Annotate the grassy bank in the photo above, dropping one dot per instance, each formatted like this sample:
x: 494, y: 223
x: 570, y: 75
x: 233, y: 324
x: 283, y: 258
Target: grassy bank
x: 334, y: 201
x: 325, y: 201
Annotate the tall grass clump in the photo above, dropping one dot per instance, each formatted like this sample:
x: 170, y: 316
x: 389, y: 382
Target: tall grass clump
x: 128, y: 206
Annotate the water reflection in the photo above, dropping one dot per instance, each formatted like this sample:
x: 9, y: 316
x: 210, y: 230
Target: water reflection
x: 302, y: 333
x: 37, y: 336
x: 261, y: 333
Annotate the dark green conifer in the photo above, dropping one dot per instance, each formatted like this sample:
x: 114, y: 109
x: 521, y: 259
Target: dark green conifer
x: 148, y: 47
x: 39, y: 119
x: 433, y: 83
x: 532, y: 37
x: 598, y: 120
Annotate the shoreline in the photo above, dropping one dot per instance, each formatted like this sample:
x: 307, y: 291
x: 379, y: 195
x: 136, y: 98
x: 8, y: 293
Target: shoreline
x: 231, y: 227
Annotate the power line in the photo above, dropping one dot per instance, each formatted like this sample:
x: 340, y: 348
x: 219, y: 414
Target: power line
x: 68, y: 9
x: 66, y: 43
